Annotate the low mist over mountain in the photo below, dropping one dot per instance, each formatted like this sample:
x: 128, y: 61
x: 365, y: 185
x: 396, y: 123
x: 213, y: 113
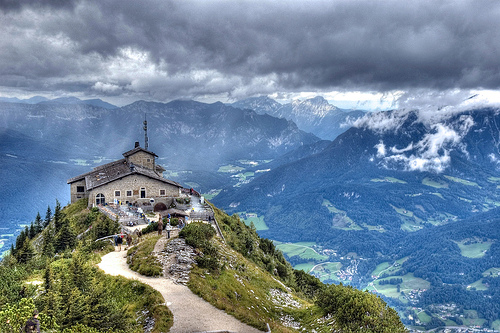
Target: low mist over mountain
x: 313, y: 115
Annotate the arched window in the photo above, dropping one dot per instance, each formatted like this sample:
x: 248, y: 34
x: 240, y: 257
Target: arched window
x: 100, y: 199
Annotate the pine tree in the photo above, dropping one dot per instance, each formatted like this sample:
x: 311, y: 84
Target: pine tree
x: 48, y: 277
x: 20, y: 241
x: 32, y: 232
x: 48, y: 217
x: 58, y: 216
x: 66, y: 237
x: 48, y: 243
x: 38, y: 223
x: 26, y: 252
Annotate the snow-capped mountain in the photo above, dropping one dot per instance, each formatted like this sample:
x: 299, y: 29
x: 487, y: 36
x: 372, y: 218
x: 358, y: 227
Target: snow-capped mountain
x: 314, y: 115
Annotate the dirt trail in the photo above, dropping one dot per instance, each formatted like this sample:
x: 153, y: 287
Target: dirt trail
x: 191, y: 312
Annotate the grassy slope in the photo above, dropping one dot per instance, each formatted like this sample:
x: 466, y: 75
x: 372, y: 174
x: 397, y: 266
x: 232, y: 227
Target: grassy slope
x: 131, y: 297
x: 244, y: 286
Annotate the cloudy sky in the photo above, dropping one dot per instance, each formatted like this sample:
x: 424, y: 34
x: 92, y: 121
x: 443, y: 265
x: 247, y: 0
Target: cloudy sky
x: 387, y: 53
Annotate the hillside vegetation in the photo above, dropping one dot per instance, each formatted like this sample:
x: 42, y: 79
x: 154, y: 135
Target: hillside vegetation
x: 251, y: 280
x: 53, y: 270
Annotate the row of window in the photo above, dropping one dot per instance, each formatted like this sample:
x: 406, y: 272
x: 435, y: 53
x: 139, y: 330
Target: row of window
x: 129, y: 193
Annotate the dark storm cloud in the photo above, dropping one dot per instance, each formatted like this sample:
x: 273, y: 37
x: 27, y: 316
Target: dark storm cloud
x: 7, y: 5
x: 296, y: 45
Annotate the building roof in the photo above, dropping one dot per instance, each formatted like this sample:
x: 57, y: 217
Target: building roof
x: 137, y: 149
x: 110, y: 172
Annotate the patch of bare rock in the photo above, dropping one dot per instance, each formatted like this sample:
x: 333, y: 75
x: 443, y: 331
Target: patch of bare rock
x: 177, y: 259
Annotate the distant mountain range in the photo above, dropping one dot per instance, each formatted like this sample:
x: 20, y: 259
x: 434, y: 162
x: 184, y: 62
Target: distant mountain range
x: 313, y: 115
x: 62, y: 100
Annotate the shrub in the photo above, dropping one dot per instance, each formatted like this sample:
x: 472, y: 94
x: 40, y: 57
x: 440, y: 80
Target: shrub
x: 197, y: 234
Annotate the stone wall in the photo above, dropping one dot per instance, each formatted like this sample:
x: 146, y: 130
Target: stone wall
x: 130, y: 188
x: 75, y: 196
x: 143, y: 159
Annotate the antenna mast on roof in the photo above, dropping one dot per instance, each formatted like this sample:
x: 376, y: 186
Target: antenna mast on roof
x: 145, y: 133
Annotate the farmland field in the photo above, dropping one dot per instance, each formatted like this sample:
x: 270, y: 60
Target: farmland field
x: 436, y: 184
x: 478, y: 285
x: 410, y: 282
x: 474, y: 250
x: 327, y: 271
x: 301, y: 249
x: 462, y: 181
x: 258, y: 221
x: 494, y: 272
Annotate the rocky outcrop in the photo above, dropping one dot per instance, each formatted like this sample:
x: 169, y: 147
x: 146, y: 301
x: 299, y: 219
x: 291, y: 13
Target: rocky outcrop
x: 177, y: 259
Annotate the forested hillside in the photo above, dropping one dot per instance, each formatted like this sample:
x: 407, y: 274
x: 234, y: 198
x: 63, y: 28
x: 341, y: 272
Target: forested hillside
x: 52, y: 268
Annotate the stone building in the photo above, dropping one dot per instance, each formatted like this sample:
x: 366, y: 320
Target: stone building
x: 136, y: 179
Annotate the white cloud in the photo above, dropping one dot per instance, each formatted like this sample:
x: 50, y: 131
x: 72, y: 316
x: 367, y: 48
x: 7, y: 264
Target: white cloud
x: 430, y: 152
x: 380, y: 149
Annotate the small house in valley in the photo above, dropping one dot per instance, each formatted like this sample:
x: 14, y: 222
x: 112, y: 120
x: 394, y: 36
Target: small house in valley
x: 136, y: 179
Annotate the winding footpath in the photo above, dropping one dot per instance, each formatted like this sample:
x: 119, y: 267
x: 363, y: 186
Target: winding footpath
x: 191, y: 312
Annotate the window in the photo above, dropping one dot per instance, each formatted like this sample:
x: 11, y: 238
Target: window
x: 129, y: 193
x: 143, y: 192
x: 163, y: 192
x: 100, y: 199
x: 80, y: 189
x: 117, y: 193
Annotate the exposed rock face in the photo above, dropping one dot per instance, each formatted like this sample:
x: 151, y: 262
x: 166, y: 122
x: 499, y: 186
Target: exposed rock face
x: 177, y: 259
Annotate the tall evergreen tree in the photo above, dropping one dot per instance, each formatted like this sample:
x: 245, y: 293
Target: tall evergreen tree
x: 38, y: 223
x: 48, y: 217
x: 66, y: 237
x: 32, y: 232
x: 26, y: 252
x: 58, y: 216
x: 48, y: 249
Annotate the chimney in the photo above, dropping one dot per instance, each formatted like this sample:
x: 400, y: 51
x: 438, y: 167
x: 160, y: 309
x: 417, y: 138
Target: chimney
x: 136, y: 144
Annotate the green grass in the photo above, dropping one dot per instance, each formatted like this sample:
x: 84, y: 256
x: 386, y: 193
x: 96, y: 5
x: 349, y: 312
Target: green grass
x: 492, y: 202
x: 476, y: 249
x: 300, y: 250
x: 141, y: 259
x: 437, y: 194
x: 388, y: 180
x: 496, y: 325
x: 243, y: 292
x: 434, y: 183
x: 462, y: 181
x: 410, y: 282
x: 212, y: 194
x: 403, y: 211
x: 388, y: 268
x: 306, y: 267
x: 327, y: 271
x: 380, y: 267
x: 230, y: 168
x: 478, y: 285
x: 378, y: 228
x: 493, y: 272
x: 258, y: 221
x: 494, y: 179
x: 424, y: 317
x: 472, y: 318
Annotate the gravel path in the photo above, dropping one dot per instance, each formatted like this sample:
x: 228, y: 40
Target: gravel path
x: 191, y: 312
